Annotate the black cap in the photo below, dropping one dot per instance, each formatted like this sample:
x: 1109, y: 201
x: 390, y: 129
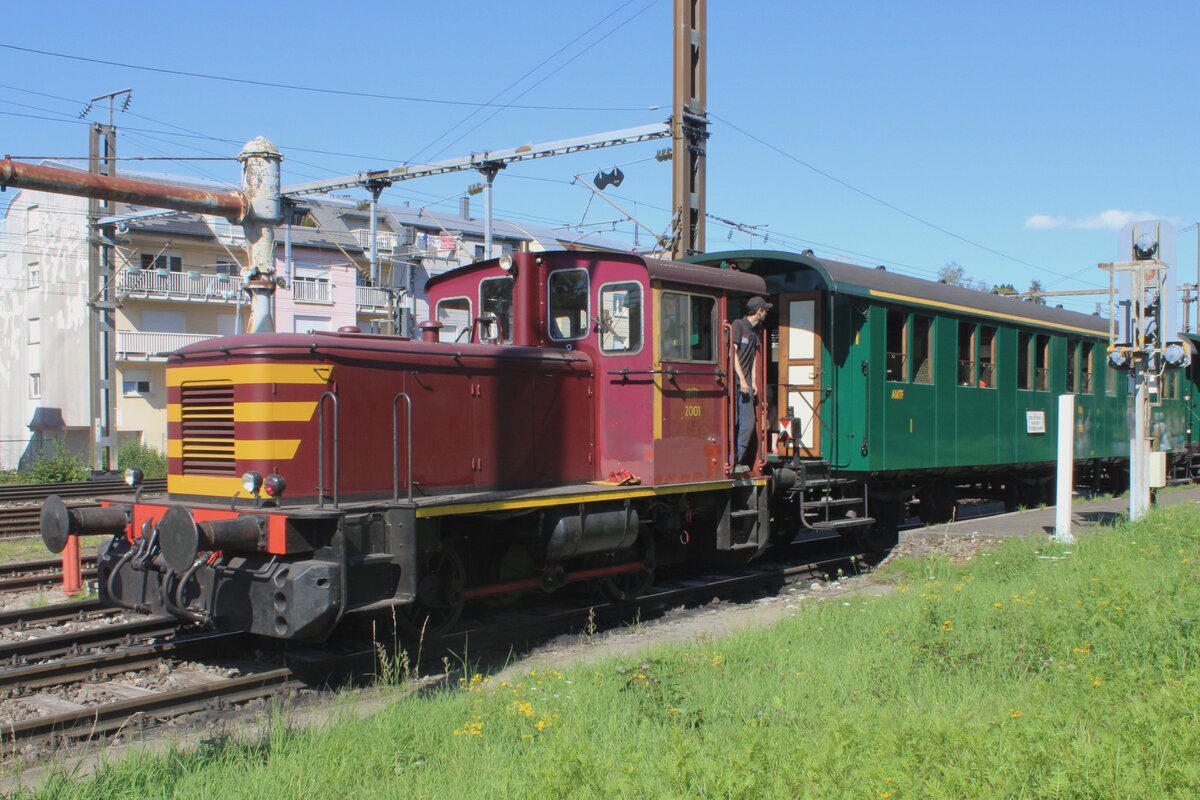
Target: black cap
x: 756, y: 303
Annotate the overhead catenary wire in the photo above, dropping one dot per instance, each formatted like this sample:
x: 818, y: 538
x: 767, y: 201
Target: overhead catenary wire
x: 311, y: 89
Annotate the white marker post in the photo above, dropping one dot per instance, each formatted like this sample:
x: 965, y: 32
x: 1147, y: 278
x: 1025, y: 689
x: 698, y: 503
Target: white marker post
x: 1066, y: 468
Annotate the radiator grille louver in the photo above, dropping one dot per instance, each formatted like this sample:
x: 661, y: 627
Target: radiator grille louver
x: 207, y: 429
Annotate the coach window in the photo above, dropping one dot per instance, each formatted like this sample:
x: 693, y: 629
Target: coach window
x: 569, y: 304
x: 987, y: 357
x: 922, y: 348
x: 1085, y: 368
x: 455, y: 315
x: 966, y: 354
x: 687, y: 327
x: 495, y: 298
x: 1041, y: 370
x: 1024, y: 343
x: 897, y: 345
x: 1072, y: 364
x: 620, y: 319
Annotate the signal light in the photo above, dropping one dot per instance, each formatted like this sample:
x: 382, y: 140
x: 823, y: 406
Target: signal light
x: 274, y: 485
x: 134, y: 476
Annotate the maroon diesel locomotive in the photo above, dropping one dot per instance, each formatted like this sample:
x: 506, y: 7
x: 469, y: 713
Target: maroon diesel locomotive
x: 564, y: 417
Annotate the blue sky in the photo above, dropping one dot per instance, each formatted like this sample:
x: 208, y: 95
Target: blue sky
x: 1009, y: 138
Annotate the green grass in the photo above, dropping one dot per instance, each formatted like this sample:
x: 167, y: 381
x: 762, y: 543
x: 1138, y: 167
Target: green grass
x: 1037, y: 671
x: 26, y: 548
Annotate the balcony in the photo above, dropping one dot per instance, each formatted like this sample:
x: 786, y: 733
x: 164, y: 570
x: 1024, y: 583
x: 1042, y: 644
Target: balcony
x: 309, y: 290
x: 154, y: 346
x: 188, y: 287
x: 370, y: 300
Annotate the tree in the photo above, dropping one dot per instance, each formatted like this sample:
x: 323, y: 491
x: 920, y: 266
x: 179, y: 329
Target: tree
x: 1036, y: 286
x: 1005, y: 289
x: 952, y: 274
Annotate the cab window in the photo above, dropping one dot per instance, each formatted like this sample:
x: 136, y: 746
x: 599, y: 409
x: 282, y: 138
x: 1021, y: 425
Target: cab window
x: 495, y: 299
x: 569, y: 304
x: 688, y: 327
x: 620, y: 318
x: 455, y: 315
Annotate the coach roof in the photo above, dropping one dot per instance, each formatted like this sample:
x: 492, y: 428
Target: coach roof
x: 890, y: 287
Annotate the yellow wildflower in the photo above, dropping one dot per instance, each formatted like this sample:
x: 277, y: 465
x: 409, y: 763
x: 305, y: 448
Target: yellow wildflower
x: 1097, y: 680
x: 947, y: 625
x: 1012, y: 712
x: 523, y: 708
x: 997, y: 605
x: 718, y: 661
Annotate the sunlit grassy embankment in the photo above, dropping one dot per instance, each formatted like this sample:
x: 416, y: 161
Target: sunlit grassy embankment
x: 1036, y: 671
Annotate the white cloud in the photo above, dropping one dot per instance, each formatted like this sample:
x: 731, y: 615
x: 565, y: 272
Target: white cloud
x: 1044, y: 222
x: 1113, y: 219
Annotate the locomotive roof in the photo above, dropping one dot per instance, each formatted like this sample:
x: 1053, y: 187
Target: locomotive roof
x: 884, y: 286
x: 730, y: 280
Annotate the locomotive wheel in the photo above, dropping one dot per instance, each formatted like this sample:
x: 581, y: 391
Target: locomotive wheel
x: 441, y: 595
x: 629, y: 585
x: 936, y: 504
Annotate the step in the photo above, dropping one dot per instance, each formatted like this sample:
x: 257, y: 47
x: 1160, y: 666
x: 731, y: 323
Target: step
x: 744, y: 513
x: 820, y: 483
x: 842, y: 524
x: 830, y: 502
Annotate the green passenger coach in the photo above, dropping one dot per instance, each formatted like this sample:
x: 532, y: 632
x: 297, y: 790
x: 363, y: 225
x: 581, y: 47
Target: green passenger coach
x: 898, y: 390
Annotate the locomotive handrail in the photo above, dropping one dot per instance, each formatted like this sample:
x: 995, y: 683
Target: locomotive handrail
x: 669, y: 372
x: 396, y: 446
x: 321, y: 449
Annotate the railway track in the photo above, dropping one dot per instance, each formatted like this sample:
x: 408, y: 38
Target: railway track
x: 19, y: 493
x: 22, y: 520
x: 23, y: 575
x: 48, y: 693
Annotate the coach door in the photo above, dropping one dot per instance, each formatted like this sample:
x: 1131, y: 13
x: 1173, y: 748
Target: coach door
x: 800, y: 369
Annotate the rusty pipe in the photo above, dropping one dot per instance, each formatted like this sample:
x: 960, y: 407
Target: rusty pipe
x: 232, y: 205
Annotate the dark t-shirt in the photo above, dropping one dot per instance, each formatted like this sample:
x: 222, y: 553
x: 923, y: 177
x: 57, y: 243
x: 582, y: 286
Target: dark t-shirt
x: 745, y: 339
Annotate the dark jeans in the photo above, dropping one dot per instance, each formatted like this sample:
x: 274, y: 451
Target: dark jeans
x: 745, y: 424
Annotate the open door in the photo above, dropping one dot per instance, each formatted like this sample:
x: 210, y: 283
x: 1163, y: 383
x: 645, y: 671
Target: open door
x: 800, y: 392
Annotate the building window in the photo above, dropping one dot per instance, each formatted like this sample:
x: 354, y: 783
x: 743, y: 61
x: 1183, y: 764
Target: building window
x: 479, y: 252
x: 455, y: 315
x: 621, y: 318
x: 966, y: 354
x: 35, y: 331
x: 922, y: 349
x: 162, y: 261
x: 35, y: 386
x: 987, y: 357
x: 688, y: 327
x: 495, y: 299
x: 229, y: 268
x: 569, y: 304
x: 135, y: 384
x: 1041, y: 363
x: 897, y: 345
x: 310, y: 284
x: 35, y: 274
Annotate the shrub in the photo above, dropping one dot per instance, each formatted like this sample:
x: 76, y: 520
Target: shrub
x: 61, y: 467
x: 152, y: 463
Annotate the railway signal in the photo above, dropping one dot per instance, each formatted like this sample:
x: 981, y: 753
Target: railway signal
x: 1142, y: 340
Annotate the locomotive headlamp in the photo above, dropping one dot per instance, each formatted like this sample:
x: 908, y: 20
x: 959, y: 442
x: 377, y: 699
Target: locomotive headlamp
x: 252, y: 482
x: 506, y: 262
x: 1145, y: 248
x: 1175, y: 354
x: 134, y: 476
x: 274, y: 485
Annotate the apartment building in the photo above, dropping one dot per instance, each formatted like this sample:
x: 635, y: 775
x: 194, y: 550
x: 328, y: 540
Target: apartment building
x: 178, y: 280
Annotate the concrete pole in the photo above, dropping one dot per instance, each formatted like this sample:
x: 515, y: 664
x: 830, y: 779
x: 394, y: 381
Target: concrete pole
x: 1139, y: 484
x: 1066, y: 468
x: 375, y: 192
x: 260, y: 185
x: 489, y: 175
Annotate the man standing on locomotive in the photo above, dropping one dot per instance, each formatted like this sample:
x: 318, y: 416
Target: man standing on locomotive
x: 746, y: 331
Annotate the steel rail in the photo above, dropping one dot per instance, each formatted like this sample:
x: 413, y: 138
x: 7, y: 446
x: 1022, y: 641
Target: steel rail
x: 40, y: 491
x: 92, y: 666
x: 57, y: 645
x: 57, y: 612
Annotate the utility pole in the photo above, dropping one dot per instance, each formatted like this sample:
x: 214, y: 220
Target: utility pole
x: 102, y: 329
x: 689, y: 127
